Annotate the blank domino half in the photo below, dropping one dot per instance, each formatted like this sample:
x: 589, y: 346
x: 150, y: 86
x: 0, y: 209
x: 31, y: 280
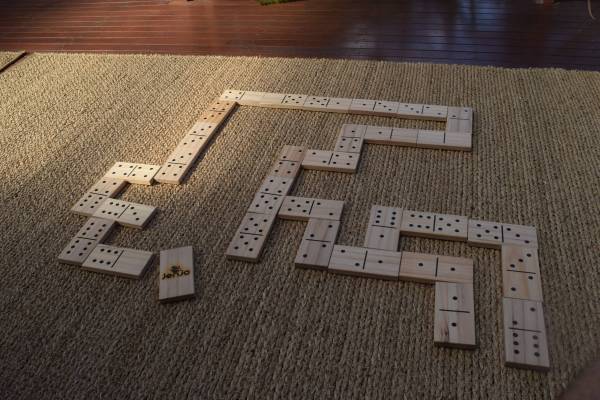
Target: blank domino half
x: 176, y: 275
x: 127, y: 263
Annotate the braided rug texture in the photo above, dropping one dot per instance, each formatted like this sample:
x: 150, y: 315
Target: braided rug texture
x: 269, y: 330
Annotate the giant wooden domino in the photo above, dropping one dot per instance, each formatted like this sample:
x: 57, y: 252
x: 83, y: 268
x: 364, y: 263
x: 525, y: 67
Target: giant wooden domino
x: 454, y: 316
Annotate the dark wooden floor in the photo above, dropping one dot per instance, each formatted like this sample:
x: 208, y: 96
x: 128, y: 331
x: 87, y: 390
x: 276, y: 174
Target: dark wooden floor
x: 486, y: 32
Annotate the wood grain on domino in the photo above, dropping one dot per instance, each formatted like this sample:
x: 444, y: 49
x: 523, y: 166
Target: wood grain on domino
x: 176, y: 275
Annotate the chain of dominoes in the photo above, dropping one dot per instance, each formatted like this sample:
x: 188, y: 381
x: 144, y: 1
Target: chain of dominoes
x: 87, y: 250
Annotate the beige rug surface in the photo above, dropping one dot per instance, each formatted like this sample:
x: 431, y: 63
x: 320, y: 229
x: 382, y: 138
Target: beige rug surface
x: 269, y: 330
x: 6, y: 57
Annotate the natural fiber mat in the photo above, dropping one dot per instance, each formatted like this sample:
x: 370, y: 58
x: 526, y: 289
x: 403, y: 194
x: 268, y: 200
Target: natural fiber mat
x: 8, y: 57
x: 268, y: 330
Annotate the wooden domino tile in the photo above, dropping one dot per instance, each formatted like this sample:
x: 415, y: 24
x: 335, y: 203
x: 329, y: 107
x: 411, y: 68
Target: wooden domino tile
x: 322, y: 230
x: 436, y: 226
x: 458, y: 141
x: 271, y: 100
x: 335, y: 161
x: 292, y: 153
x: 464, y: 126
x: 276, y: 185
x: 522, y: 285
x: 313, y: 254
x: 430, y: 139
x: 317, y: 159
x: 454, y: 269
x: 404, y: 137
x: 203, y: 128
x: 315, y: 103
x: 407, y: 110
x: 521, y: 273
x: 93, y: 232
x: 172, y: 173
x: 142, y: 174
x: 362, y: 106
x: 232, y: 95
x: 339, y: 105
x: 382, y: 264
x: 349, y: 145
x: 418, y: 267
x: 386, y: 108
x: 317, y: 244
x: 224, y: 106
x: 266, y: 203
x: 347, y: 260
x: 460, y: 113
x: 257, y: 223
x: 88, y: 204
x: 303, y: 208
x: 519, y: 235
x: 430, y: 268
x: 485, y: 234
x: 494, y: 234
x: 251, y: 98
x: 454, y: 320
x: 176, y: 274
x: 382, y: 238
x: 353, y: 131
x: 369, y: 263
x: 285, y: 169
x: 127, y: 263
x: 213, y: 117
x: 126, y: 213
x: 108, y: 187
x: 390, y: 217
x: 436, y: 113
x: 520, y: 259
x: 525, y: 339
x: 378, y: 134
x: 295, y: 101
x: 246, y: 247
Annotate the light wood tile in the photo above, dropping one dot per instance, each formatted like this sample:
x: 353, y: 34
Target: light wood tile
x: 454, y: 269
x: 520, y: 259
x: 127, y: 263
x: 347, y: 260
x: 272, y: 100
x: 313, y: 254
x: 339, y: 104
x: 433, y: 112
x: 251, y: 98
x: 276, y: 185
x: 378, y: 134
x: 285, y: 169
x: 317, y: 159
x: 343, y: 162
x: 417, y: 223
x: 96, y: 229
x: 430, y: 139
x: 519, y: 235
x: 382, y: 264
x: 390, y: 217
x: 450, y: 227
x: 172, y: 173
x: 126, y: 213
x: 232, y: 95
x: 143, y: 174
x: 485, y: 234
x: 522, y: 285
x: 362, y: 106
x: 246, y: 247
x: 108, y: 187
x: 349, y: 145
x: 454, y: 329
x: 458, y: 141
x: 383, y: 238
x: 292, y: 153
x: 316, y: 103
x: 321, y: 229
x: 525, y: 339
x: 257, y: 223
x: 418, y: 267
x: 296, y: 208
x: 88, y: 204
x: 327, y: 209
x: 353, y: 131
x: 120, y: 170
x: 386, y: 108
x: 295, y: 101
x: 77, y: 250
x: 176, y: 275
x: 407, y: 110
x: 404, y: 136
x: 264, y: 203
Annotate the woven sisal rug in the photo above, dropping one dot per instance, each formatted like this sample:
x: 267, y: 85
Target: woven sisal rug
x: 268, y: 330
